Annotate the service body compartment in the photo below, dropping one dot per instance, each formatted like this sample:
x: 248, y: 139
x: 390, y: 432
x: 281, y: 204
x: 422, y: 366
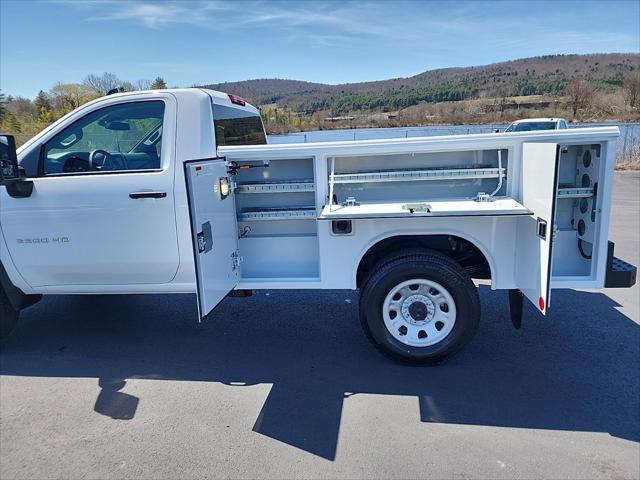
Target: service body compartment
x: 517, y: 197
x: 582, y: 216
x: 276, y: 214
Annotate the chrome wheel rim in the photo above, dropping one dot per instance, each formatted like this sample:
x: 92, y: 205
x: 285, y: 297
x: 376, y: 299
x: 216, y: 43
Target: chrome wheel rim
x: 419, y: 312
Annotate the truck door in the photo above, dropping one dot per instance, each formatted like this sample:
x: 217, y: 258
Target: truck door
x: 102, y: 209
x: 534, y: 237
x: 213, y: 229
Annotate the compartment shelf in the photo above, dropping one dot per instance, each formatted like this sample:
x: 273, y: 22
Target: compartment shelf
x: 416, y: 175
x: 281, y: 235
x: 290, y: 213
x: 292, y: 186
x: 436, y: 208
x: 575, y: 192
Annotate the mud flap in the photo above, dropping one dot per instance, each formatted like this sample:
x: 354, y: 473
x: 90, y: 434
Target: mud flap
x: 515, y: 307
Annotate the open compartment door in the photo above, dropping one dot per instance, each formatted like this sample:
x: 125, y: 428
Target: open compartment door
x: 534, y: 238
x: 214, y: 230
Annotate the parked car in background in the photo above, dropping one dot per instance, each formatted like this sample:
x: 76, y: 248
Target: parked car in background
x: 533, y: 124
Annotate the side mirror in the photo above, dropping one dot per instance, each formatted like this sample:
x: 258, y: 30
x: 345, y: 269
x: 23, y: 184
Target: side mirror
x: 8, y: 158
x: 11, y: 175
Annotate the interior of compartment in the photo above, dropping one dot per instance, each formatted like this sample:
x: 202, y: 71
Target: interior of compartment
x: 276, y: 202
x: 577, y: 217
x: 433, y: 180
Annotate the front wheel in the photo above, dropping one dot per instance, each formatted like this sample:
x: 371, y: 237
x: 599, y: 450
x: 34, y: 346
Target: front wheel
x: 419, y: 306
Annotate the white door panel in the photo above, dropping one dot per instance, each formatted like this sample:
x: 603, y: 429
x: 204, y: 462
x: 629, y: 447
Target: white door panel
x: 535, y: 233
x: 81, y: 227
x: 214, y: 231
x: 86, y: 230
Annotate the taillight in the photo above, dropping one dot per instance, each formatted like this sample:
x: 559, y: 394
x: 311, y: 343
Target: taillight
x: 237, y: 100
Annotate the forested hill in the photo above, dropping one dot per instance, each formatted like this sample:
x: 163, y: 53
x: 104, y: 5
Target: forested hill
x: 547, y: 75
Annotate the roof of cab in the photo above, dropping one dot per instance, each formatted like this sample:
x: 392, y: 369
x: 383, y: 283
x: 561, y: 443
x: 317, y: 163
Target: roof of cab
x: 219, y: 98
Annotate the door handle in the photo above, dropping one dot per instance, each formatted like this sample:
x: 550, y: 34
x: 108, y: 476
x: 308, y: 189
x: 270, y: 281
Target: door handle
x: 147, y: 195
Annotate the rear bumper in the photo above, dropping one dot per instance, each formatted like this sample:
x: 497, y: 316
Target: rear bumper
x: 620, y: 274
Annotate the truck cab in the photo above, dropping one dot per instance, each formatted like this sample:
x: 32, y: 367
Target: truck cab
x: 101, y: 170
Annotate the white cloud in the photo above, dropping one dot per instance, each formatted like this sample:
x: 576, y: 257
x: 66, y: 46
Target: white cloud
x: 342, y: 19
x: 151, y: 15
x: 355, y: 24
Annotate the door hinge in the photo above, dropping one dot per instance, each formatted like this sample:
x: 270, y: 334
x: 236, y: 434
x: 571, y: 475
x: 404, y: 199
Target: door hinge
x: 236, y: 260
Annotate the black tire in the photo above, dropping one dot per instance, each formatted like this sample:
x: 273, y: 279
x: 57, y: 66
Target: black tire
x: 400, y: 267
x: 8, y: 315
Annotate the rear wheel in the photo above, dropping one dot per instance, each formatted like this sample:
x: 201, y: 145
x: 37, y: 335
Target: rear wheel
x: 8, y: 315
x: 419, y: 306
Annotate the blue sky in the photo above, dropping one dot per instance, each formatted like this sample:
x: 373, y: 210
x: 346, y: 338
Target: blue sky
x: 195, y: 42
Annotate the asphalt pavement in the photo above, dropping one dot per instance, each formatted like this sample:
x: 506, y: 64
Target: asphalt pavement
x: 284, y: 384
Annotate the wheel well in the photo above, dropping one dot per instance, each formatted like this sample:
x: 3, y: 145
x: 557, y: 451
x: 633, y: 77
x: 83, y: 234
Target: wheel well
x: 17, y: 298
x: 465, y: 253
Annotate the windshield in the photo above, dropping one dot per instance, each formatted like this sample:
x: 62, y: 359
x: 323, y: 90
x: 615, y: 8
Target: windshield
x: 530, y: 126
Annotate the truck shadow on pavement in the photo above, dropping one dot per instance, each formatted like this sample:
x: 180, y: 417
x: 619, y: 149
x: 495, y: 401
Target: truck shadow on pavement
x: 576, y: 370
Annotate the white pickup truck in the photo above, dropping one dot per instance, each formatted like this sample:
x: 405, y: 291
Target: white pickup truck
x: 177, y: 191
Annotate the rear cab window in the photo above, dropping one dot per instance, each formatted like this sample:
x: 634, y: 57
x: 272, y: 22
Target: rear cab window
x: 531, y: 126
x: 237, y: 126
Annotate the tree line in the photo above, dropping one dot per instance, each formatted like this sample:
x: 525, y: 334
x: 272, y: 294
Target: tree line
x: 466, y: 88
x: 19, y: 115
x: 579, y: 97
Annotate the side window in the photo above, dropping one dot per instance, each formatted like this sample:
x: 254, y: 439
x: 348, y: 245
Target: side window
x: 121, y: 137
x: 563, y: 124
x: 235, y: 126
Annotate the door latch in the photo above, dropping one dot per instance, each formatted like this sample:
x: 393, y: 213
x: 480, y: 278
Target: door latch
x: 483, y: 197
x: 541, y: 228
x: 205, y: 238
x: 202, y: 244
